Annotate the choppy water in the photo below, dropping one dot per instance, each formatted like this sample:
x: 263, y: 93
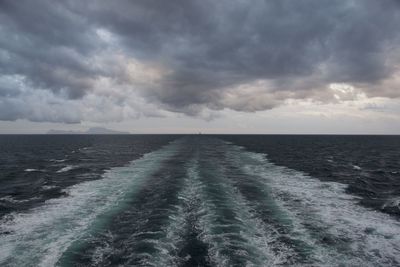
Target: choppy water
x: 187, y: 201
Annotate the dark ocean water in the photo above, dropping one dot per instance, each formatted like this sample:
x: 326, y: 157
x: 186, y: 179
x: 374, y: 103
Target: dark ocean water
x: 199, y: 200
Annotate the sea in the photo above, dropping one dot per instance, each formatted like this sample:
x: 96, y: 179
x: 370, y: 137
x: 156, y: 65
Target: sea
x: 199, y: 200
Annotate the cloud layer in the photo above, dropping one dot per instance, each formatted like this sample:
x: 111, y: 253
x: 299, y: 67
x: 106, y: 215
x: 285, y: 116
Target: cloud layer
x: 106, y: 61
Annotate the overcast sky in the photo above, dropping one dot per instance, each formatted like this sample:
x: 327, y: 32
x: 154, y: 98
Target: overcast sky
x: 226, y: 66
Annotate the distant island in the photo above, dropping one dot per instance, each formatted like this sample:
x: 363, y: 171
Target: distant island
x: 93, y: 130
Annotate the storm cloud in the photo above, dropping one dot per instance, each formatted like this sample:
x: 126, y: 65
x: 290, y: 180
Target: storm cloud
x: 67, y: 60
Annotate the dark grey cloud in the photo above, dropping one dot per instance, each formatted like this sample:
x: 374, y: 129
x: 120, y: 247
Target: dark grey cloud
x: 211, y: 49
x: 48, y: 44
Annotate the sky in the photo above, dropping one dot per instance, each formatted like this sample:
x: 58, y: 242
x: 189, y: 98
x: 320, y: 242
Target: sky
x: 188, y: 66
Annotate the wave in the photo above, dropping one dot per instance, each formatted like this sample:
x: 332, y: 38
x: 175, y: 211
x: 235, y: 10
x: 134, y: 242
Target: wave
x: 213, y: 224
x: 210, y: 224
x: 328, y: 219
x: 202, y: 202
x: 40, y: 236
x: 356, y: 167
x: 67, y: 168
x: 230, y: 228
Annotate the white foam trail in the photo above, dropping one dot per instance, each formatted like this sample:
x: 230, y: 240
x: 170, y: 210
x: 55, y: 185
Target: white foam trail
x: 40, y: 236
x: 252, y: 243
x: 169, y: 246
x: 362, y: 237
x: 171, y: 239
x: 67, y: 168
